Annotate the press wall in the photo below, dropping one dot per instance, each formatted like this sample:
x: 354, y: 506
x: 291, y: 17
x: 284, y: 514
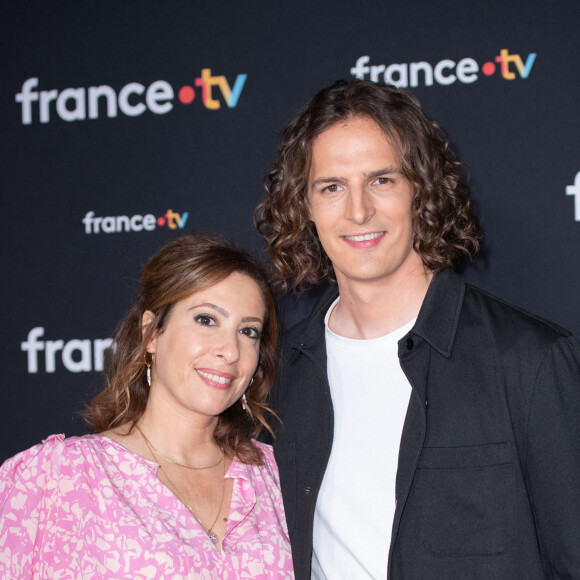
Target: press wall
x: 125, y: 124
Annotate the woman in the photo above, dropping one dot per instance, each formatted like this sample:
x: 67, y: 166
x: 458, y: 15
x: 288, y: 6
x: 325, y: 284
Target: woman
x: 171, y: 485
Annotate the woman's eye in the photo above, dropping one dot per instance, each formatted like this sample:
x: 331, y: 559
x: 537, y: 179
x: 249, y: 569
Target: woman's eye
x: 251, y: 332
x: 205, y: 320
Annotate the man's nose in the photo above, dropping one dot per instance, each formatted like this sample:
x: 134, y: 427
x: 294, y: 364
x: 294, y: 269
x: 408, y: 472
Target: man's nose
x: 359, y: 205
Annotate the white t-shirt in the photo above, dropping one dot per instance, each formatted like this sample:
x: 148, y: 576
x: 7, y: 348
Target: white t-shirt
x: 356, y: 504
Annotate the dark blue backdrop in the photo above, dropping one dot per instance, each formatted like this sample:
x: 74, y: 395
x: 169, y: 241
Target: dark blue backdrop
x: 144, y: 148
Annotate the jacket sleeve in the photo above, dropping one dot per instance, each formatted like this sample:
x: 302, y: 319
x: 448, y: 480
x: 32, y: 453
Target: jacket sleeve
x: 552, y: 467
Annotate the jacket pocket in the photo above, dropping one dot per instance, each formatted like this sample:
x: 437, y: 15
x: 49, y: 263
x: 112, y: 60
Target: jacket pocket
x: 467, y: 499
x: 285, y: 455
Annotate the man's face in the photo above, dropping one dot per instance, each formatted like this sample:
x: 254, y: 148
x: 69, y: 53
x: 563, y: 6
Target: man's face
x: 361, y: 202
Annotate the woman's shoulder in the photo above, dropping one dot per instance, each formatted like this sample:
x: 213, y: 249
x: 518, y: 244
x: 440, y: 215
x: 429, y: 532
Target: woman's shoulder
x: 266, y: 477
x: 266, y: 450
x: 269, y: 463
x: 60, y: 464
x: 36, y: 466
x: 57, y: 443
x: 49, y: 457
x: 39, y: 452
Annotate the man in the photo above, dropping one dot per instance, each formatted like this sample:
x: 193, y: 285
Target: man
x: 428, y: 430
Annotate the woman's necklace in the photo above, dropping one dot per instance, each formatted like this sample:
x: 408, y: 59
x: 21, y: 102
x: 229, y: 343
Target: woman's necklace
x: 151, y: 446
x: 209, y: 531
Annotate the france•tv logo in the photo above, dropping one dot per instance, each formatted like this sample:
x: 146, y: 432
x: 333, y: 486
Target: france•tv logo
x: 444, y: 72
x: 136, y: 223
x: 574, y: 190
x: 78, y: 104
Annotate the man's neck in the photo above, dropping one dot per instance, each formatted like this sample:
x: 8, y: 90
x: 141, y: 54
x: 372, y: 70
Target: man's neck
x: 369, y: 309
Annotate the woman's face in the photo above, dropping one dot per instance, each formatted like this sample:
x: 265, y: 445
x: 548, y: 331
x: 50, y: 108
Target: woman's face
x: 208, y: 352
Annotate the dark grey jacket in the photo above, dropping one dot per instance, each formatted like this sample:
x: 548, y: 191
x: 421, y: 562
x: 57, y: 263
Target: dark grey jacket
x: 488, y: 482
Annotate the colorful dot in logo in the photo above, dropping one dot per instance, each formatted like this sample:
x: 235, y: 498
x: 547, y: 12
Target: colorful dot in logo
x: 161, y: 221
x: 186, y: 94
x: 488, y: 68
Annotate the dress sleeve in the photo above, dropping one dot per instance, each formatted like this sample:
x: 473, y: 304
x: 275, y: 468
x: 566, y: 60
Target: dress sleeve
x: 28, y: 490
x: 553, y: 459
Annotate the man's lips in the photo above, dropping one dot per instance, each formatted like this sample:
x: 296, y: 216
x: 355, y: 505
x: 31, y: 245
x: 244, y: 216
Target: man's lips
x: 364, y: 237
x: 364, y: 241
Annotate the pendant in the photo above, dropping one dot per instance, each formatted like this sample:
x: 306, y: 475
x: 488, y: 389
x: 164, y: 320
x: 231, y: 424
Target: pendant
x: 213, y: 537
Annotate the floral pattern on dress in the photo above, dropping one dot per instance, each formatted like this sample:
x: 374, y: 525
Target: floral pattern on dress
x: 87, y: 507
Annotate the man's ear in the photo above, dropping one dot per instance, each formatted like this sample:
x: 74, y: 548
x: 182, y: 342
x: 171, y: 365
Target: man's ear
x: 147, y: 318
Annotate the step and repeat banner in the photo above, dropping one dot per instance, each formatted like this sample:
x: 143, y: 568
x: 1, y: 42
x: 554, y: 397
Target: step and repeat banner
x: 126, y: 124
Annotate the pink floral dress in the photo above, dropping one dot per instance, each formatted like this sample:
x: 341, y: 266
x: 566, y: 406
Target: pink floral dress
x: 87, y: 507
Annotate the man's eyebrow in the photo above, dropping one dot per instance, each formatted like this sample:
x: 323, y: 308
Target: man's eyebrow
x: 323, y: 180
x: 385, y: 171
x: 377, y: 173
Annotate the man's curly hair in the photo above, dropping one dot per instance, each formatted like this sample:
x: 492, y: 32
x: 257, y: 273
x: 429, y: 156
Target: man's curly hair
x: 444, y: 224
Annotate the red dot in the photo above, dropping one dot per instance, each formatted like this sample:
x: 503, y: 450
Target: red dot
x: 186, y: 94
x: 488, y: 68
x: 160, y: 221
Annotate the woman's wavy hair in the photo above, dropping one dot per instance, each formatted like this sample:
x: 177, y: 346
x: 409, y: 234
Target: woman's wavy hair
x: 187, y: 265
x: 444, y: 224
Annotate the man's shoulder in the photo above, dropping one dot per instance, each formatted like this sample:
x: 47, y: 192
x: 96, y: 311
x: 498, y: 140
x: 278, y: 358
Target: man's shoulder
x: 311, y: 325
x: 297, y: 329
x: 292, y: 338
x: 454, y: 309
x: 503, y: 316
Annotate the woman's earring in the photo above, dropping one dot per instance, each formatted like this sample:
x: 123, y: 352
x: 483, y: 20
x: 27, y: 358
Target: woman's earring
x: 244, y: 398
x: 148, y: 369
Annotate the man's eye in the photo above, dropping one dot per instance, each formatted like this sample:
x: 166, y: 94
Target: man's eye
x: 205, y: 320
x: 251, y: 332
x: 383, y: 180
x: 332, y: 188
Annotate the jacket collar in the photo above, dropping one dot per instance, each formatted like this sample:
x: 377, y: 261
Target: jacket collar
x: 436, y: 323
x: 439, y: 315
x: 313, y: 331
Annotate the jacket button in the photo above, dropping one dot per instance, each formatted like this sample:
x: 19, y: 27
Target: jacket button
x: 307, y: 490
x: 409, y: 343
